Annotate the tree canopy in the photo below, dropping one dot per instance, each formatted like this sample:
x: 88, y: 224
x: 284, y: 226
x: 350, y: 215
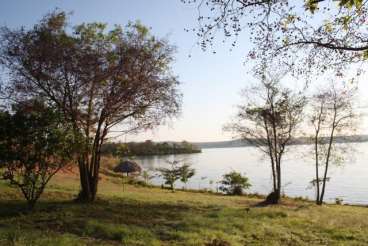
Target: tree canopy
x: 308, y: 35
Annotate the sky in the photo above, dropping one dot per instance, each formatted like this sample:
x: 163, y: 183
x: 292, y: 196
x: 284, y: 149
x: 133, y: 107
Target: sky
x: 210, y: 83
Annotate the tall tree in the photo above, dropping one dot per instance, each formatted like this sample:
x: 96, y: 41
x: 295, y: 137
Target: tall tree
x: 102, y: 80
x: 268, y: 119
x: 332, y: 114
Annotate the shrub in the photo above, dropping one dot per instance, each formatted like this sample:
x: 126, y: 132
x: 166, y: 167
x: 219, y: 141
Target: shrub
x: 176, y: 171
x: 34, y: 145
x: 338, y: 201
x: 234, y: 183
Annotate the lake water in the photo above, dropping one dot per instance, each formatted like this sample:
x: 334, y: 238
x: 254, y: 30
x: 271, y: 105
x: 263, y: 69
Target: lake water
x: 348, y: 181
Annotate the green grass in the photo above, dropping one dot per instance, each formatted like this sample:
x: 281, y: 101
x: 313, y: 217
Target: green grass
x: 152, y: 216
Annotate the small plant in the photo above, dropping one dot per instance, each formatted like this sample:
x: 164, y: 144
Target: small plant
x: 170, y: 174
x: 186, y: 172
x: 176, y: 171
x: 234, y: 183
x: 147, y: 176
x: 338, y: 201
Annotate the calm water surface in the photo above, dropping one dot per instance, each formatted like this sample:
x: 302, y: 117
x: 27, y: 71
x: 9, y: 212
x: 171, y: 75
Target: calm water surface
x: 349, y: 181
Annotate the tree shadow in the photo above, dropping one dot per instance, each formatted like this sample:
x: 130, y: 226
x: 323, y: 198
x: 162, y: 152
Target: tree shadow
x: 262, y: 204
x: 13, y: 208
x: 83, y: 219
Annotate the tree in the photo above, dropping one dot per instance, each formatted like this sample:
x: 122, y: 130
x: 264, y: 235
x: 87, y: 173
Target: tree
x: 268, y: 120
x: 146, y: 175
x: 306, y: 34
x: 35, y: 143
x: 186, y: 172
x: 233, y: 183
x: 115, y: 81
x: 332, y: 114
x: 172, y: 173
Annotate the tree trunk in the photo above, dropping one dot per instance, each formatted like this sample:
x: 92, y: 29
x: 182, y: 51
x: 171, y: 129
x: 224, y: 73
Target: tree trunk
x: 31, y: 204
x: 317, y: 174
x: 278, y: 191
x: 88, y: 179
x: 278, y: 188
x: 328, y: 158
x: 89, y: 167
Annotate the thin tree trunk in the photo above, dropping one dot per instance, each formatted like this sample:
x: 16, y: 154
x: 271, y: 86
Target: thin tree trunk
x: 270, y: 150
x: 317, y: 152
x: 326, y: 168
x: 317, y: 168
x: 328, y: 158
x: 278, y: 191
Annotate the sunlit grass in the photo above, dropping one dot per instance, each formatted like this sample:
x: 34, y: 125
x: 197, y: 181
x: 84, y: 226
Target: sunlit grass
x: 152, y: 216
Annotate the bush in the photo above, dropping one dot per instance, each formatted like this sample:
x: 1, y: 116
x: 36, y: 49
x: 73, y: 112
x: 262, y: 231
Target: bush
x: 176, y: 171
x: 338, y: 201
x: 218, y: 242
x: 34, y: 145
x: 234, y: 183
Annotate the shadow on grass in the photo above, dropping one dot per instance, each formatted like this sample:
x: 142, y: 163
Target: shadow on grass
x: 13, y: 208
x: 103, y: 219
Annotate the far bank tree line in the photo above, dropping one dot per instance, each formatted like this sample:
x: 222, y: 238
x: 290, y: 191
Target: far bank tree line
x: 148, y: 147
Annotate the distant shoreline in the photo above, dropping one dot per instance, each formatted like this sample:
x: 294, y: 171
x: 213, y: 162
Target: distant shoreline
x: 296, y: 141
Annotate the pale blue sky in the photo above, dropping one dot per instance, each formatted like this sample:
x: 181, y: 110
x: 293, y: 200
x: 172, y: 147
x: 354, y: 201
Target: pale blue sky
x: 210, y: 82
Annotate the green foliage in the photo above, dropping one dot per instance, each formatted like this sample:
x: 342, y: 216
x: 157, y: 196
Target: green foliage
x: 307, y: 37
x: 233, y: 183
x: 176, y: 170
x: 350, y: 3
x: 170, y: 174
x: 365, y: 55
x: 186, y: 172
x: 35, y: 143
x: 311, y: 5
x: 148, y: 148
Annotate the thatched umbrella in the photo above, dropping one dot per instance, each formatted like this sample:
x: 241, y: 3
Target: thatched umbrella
x: 128, y: 167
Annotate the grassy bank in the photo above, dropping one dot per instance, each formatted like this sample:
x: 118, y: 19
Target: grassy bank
x: 152, y: 216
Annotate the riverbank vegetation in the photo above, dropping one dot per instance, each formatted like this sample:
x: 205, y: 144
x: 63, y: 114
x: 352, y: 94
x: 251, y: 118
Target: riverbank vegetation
x: 148, y: 148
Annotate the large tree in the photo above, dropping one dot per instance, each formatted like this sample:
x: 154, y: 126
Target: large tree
x: 268, y: 119
x: 308, y: 35
x: 101, y: 80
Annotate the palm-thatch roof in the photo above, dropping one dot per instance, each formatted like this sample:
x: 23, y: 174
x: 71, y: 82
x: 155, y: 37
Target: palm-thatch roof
x: 128, y: 167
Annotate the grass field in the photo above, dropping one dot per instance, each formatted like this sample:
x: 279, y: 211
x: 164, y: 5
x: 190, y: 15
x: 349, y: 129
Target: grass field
x: 153, y: 216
